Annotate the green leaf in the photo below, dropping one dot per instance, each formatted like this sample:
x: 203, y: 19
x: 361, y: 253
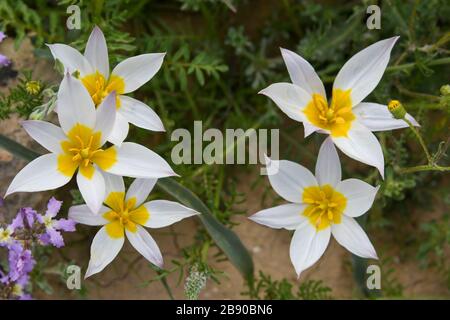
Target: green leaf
x: 17, y: 149
x: 225, y: 239
x: 200, y: 76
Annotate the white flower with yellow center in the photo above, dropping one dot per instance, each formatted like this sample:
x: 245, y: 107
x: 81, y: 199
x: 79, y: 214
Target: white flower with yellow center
x: 92, y: 69
x: 346, y: 119
x: 127, y: 214
x: 78, y: 145
x: 321, y: 205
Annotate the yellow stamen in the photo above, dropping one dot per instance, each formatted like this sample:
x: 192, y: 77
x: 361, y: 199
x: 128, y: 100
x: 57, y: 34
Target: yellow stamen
x: 82, y: 150
x: 123, y: 215
x: 336, y: 117
x: 99, y: 88
x: 325, y: 206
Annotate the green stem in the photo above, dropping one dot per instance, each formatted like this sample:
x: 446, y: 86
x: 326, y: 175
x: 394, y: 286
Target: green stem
x: 411, y: 65
x: 166, y: 286
x: 426, y: 167
x: 419, y: 137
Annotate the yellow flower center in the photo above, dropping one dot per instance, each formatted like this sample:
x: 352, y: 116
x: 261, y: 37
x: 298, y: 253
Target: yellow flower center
x: 123, y: 214
x: 17, y: 290
x: 336, y: 117
x: 99, y: 88
x: 325, y: 206
x: 33, y: 87
x: 5, y: 234
x: 82, y: 150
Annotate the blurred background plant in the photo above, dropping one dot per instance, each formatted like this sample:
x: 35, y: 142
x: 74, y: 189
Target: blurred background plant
x: 220, y: 54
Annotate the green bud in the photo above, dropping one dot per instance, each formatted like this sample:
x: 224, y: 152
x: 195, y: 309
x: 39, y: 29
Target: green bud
x: 397, y: 109
x: 445, y: 90
x: 33, y: 87
x: 38, y: 113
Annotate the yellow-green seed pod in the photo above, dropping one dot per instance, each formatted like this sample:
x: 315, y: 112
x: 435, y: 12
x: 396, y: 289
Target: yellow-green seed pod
x: 33, y: 87
x: 397, y: 109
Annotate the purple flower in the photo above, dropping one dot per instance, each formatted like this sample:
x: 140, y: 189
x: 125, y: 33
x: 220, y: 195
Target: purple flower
x: 4, y: 61
x: 52, y: 226
x: 21, y: 263
x: 53, y: 207
x: 24, y: 219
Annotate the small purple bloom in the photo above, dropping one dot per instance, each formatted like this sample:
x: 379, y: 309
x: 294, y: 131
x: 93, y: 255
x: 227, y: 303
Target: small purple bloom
x: 27, y: 230
x: 53, y: 237
x: 21, y: 262
x: 53, y: 207
x: 25, y: 296
x: 52, y: 226
x: 25, y: 218
x: 67, y: 225
x: 4, y: 61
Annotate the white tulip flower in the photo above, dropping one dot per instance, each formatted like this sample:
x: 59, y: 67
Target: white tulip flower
x: 79, y: 145
x: 127, y: 214
x: 92, y: 69
x: 347, y: 120
x: 321, y: 206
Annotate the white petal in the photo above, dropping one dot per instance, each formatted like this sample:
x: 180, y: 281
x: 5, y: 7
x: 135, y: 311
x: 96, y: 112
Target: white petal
x: 287, y: 216
x: 92, y: 189
x: 136, y: 161
x: 120, y: 130
x: 41, y: 174
x: 164, y: 213
x: 103, y: 250
x: 362, y: 145
x: 377, y: 117
x: 291, y: 99
x: 137, y: 70
x: 288, y: 179
x: 106, y: 116
x: 302, y: 73
x: 307, y: 246
x: 71, y: 59
x: 140, y: 189
x: 74, y: 104
x: 364, y: 70
x: 113, y: 183
x: 82, y: 214
x: 309, y: 129
x: 359, y: 195
x: 328, y: 166
x: 139, y: 114
x: 143, y: 242
x: 96, y: 52
x: 352, y: 237
x: 46, y: 134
